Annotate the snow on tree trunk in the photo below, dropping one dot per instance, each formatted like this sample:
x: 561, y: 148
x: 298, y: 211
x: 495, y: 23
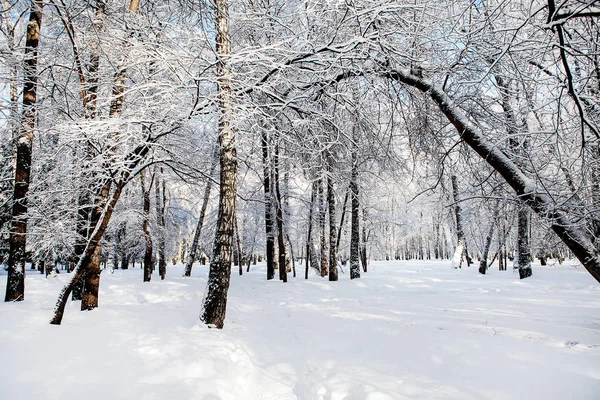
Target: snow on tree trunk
x: 269, y: 228
x: 459, y: 252
x: 322, y: 221
x: 15, y: 283
x: 148, y: 252
x: 354, y: 233
x: 214, y: 302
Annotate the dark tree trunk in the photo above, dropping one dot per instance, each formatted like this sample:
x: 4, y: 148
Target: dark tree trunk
x: 355, y: 229
x: 91, y: 280
x: 363, y: 249
x: 160, y: 219
x: 523, y: 256
x: 194, y: 245
x: 148, y: 253
x: 269, y: 228
x: 313, y: 196
x: 322, y: 221
x: 279, y: 214
x: 215, y: 299
x: 333, y: 271
x: 15, y: 283
x: 238, y: 247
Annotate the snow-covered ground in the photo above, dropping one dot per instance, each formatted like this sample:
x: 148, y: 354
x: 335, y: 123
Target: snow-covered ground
x: 405, y: 330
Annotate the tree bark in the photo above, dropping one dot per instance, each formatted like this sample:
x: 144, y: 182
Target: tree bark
x: 215, y: 299
x: 269, y: 228
x: 160, y: 198
x: 363, y: 249
x: 15, y: 283
x: 460, y: 235
x: 279, y: 214
x: 355, y: 229
x: 149, y: 252
x: 333, y: 271
x: 322, y: 221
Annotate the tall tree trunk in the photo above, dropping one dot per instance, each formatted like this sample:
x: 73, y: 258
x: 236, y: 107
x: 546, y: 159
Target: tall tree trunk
x: 194, y: 245
x: 322, y: 221
x: 523, y: 249
x: 15, y: 283
x: 215, y: 299
x: 313, y: 195
x: 269, y: 228
x: 279, y: 214
x: 354, y: 233
x: 160, y: 220
x: 333, y: 271
x: 488, y: 241
x: 149, y: 252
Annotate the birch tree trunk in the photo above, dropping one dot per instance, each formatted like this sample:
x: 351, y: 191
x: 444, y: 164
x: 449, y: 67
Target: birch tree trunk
x: 215, y: 299
x: 460, y: 250
x: 354, y: 233
x: 15, y: 283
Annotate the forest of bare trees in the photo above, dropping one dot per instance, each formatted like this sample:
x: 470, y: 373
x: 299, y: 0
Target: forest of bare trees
x: 309, y: 134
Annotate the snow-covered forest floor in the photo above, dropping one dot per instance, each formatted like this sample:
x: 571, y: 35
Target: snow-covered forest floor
x: 405, y: 330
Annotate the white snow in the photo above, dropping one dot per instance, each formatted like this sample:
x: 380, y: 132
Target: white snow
x: 405, y: 330
x: 458, y: 255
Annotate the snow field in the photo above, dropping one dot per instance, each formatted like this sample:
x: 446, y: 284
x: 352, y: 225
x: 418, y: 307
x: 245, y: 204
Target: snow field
x: 405, y: 330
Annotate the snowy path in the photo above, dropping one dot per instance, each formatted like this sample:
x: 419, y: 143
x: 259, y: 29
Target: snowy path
x: 415, y: 330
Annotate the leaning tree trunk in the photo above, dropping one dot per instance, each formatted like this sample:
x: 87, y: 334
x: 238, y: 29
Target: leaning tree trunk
x: 148, y: 253
x: 215, y: 299
x: 15, y: 283
x: 574, y: 235
x: 488, y: 241
x: 354, y: 230
x: 279, y: 215
x: 269, y: 226
x: 194, y: 245
x: 333, y: 271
